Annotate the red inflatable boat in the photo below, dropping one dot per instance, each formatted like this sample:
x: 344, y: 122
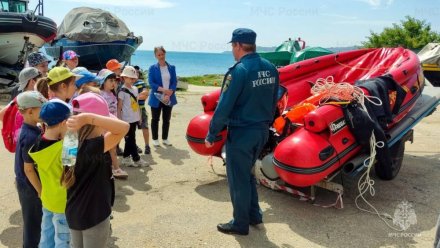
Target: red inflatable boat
x: 322, y: 141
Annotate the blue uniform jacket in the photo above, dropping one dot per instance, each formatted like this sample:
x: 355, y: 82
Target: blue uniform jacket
x: 249, y: 96
x: 155, y: 81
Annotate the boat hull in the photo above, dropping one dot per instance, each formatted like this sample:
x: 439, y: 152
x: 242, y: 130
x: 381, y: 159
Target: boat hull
x: 15, y: 28
x: 197, y: 132
x: 94, y: 56
x: 277, y: 58
x: 11, y: 45
x: 323, y: 142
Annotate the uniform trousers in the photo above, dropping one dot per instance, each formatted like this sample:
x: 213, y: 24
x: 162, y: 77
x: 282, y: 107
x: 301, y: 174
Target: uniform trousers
x: 243, y: 145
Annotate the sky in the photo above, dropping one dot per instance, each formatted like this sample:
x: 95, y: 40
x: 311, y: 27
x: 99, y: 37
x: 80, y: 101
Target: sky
x: 206, y: 26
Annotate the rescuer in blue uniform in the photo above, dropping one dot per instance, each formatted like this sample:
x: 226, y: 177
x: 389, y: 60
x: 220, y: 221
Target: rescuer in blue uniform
x: 246, y: 107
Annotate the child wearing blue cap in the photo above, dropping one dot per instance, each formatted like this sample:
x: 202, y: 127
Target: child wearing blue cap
x: 88, y: 78
x: 46, y: 154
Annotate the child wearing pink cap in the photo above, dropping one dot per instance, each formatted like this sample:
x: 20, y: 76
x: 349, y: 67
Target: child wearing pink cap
x: 89, y: 189
x: 70, y: 59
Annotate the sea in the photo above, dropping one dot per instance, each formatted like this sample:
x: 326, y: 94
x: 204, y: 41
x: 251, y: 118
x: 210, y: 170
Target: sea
x: 187, y: 63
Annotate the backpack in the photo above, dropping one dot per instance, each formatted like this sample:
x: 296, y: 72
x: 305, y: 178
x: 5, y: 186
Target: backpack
x: 8, y: 130
x: 134, y: 101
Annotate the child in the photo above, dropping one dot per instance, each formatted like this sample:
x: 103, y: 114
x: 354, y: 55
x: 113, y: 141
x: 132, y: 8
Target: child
x: 108, y: 85
x: 27, y: 78
x: 87, y: 79
x: 70, y: 59
x: 39, y: 61
x: 143, y: 125
x: 26, y: 178
x: 47, y: 156
x: 61, y: 82
x: 116, y: 67
x: 128, y: 111
x: 42, y: 87
x: 89, y: 181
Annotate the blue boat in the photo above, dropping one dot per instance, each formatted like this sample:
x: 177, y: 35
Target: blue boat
x: 96, y: 35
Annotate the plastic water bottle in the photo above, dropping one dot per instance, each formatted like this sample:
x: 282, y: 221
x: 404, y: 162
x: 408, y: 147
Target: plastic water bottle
x: 160, y: 97
x: 70, y: 148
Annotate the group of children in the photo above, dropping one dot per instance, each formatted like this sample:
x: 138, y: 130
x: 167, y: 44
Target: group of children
x: 65, y: 206
x: 71, y: 206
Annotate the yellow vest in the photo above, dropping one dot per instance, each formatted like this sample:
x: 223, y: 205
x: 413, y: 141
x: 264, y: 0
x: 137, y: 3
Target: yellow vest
x: 49, y: 166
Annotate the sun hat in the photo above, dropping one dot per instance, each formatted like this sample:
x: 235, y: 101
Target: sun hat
x: 54, y: 112
x: 113, y: 64
x: 87, y: 77
x: 68, y: 55
x: 58, y: 74
x: 244, y: 35
x: 129, y: 72
x: 30, y: 99
x: 25, y: 75
x: 104, y: 74
x: 36, y: 58
x: 91, y: 103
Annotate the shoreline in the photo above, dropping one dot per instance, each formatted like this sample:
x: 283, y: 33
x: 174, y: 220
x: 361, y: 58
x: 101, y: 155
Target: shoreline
x: 204, y: 80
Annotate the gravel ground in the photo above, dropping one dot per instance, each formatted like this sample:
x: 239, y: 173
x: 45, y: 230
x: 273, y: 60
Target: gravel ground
x: 179, y: 200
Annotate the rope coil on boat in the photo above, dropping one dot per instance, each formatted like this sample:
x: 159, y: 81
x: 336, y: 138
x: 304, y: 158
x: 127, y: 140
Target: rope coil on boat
x: 345, y: 93
x: 340, y: 93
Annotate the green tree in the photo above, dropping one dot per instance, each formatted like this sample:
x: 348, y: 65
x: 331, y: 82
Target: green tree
x: 411, y: 33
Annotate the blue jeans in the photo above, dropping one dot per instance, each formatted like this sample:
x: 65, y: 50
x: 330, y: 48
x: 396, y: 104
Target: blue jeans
x: 54, y: 230
x: 31, y: 212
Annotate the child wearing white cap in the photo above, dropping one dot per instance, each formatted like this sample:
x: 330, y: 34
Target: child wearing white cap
x: 128, y: 111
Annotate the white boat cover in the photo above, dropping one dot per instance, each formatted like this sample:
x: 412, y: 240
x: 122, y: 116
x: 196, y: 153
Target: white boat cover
x: 92, y: 25
x: 430, y: 54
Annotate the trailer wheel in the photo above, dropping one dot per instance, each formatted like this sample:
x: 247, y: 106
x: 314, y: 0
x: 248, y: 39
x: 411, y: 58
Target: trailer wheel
x: 389, y: 172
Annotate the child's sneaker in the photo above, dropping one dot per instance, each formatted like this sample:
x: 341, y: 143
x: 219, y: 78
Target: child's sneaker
x: 147, y: 149
x: 120, y: 174
x: 139, y: 150
x: 166, y: 142
x: 140, y: 163
x: 127, y: 162
x: 156, y: 143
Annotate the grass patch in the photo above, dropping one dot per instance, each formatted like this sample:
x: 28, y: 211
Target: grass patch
x: 205, y: 80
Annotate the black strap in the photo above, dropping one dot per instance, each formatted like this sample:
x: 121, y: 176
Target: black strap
x: 129, y: 92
